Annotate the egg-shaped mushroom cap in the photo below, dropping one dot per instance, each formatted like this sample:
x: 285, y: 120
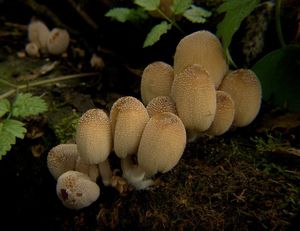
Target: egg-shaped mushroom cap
x: 245, y: 90
x: 76, y: 190
x: 204, y: 48
x: 32, y: 49
x: 61, y: 159
x: 157, y: 79
x: 93, y: 136
x: 128, y: 117
x: 58, y: 41
x: 38, y: 33
x: 224, y: 114
x: 195, y: 97
x: 161, y: 104
x: 162, y: 143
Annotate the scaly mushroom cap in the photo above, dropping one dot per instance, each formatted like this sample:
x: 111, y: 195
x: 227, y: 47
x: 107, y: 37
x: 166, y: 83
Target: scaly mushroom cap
x: 195, y: 96
x: 162, y: 144
x: 61, y: 159
x: 245, y: 90
x: 38, y: 33
x: 161, y: 104
x: 76, y: 190
x: 204, y: 48
x: 93, y: 136
x: 58, y: 41
x: 157, y: 79
x: 224, y: 114
x: 89, y: 169
x: 128, y: 117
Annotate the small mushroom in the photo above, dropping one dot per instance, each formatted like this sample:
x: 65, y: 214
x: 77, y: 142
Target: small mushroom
x: 224, y: 115
x: 204, y: 48
x: 161, y: 104
x: 61, y: 159
x: 76, y: 190
x: 38, y: 34
x: 157, y: 79
x: 245, y: 90
x: 58, y: 41
x: 32, y: 49
x: 162, y: 144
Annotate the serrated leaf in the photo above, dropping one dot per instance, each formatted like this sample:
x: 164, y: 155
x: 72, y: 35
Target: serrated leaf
x: 197, y: 14
x: 148, y: 5
x: 156, y: 32
x: 278, y: 72
x: 236, y: 11
x: 180, y: 6
x: 27, y: 105
x: 120, y: 14
x: 4, y: 107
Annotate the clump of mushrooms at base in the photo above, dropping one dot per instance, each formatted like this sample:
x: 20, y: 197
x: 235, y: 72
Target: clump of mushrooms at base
x: 196, y: 96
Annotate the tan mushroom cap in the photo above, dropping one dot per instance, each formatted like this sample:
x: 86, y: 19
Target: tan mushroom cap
x: 195, y: 96
x: 32, y: 49
x: 224, y: 114
x: 162, y: 144
x: 93, y: 136
x: 38, y: 33
x: 161, y: 104
x: 61, y: 159
x: 58, y: 41
x: 204, y: 48
x: 89, y: 169
x: 76, y: 190
x: 245, y: 90
x: 128, y: 117
x: 157, y: 79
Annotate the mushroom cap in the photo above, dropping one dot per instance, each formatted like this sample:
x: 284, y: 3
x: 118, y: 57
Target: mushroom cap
x: 245, y: 90
x: 38, y: 33
x: 157, y: 79
x: 61, y: 159
x: 128, y: 117
x: 161, y: 104
x: 58, y: 41
x: 93, y: 136
x: 32, y: 49
x: 204, y: 48
x: 224, y: 114
x: 195, y: 96
x: 76, y: 190
x: 89, y: 169
x: 162, y: 143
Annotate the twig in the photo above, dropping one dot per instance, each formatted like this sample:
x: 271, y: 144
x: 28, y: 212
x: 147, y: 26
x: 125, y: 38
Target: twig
x: 278, y: 23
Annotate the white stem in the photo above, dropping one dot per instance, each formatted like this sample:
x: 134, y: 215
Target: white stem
x: 105, y: 172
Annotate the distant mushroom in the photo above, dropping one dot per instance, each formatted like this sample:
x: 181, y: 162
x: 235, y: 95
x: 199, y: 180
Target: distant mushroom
x: 58, y: 41
x: 245, y: 90
x: 204, y: 48
x: 32, y: 50
x: 157, y: 79
x: 61, y: 159
x: 195, y: 97
x: 94, y: 141
x: 162, y: 144
x: 224, y: 115
x: 38, y: 34
x: 161, y: 104
x: 76, y: 190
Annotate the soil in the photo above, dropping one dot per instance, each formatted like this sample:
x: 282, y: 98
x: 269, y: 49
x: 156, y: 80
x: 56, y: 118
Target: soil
x: 246, y: 179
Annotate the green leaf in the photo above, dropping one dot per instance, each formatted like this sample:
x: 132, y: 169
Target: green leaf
x: 156, y: 32
x: 180, y: 6
x: 120, y: 14
x: 9, y: 130
x: 27, y: 105
x: 197, y: 14
x: 148, y: 5
x: 4, y: 107
x: 278, y: 72
x: 236, y: 11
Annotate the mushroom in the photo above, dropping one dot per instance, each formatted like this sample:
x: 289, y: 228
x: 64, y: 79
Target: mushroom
x: 61, y: 159
x: 32, y: 49
x: 204, y: 48
x: 89, y: 169
x: 94, y: 141
x: 161, y: 104
x: 58, y: 41
x: 162, y: 143
x: 245, y: 90
x: 224, y: 115
x: 76, y: 190
x: 195, y: 97
x: 38, y: 34
x: 156, y: 80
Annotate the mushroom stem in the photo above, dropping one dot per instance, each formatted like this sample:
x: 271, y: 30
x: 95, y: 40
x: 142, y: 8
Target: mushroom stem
x: 105, y: 172
x: 192, y: 135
